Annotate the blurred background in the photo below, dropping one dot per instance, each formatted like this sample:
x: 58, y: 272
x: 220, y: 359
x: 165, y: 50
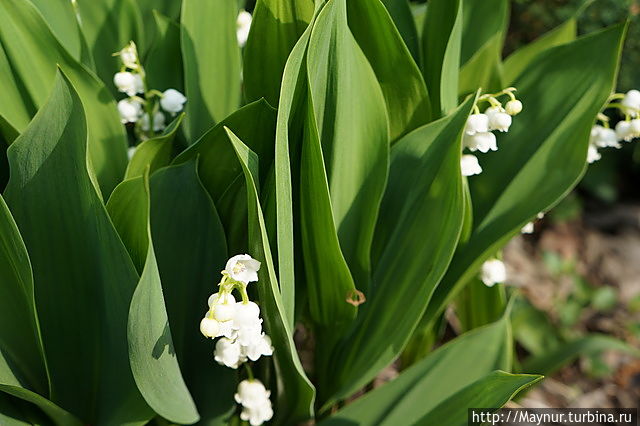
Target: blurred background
x: 581, y: 267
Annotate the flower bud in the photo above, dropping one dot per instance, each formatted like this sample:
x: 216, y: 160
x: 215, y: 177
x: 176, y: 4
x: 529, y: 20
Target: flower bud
x: 592, y: 154
x: 209, y: 327
x: 243, y: 24
x: 513, y: 107
x: 130, y: 110
x: 493, y: 272
x: 632, y: 101
x: 246, y: 315
x: 623, y: 131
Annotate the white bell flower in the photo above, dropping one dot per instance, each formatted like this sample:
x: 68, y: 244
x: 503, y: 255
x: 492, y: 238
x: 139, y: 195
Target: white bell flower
x: 130, y: 110
x: 130, y: 151
x: 229, y: 353
x: 593, y: 155
x: 469, y: 165
x: 209, y: 327
x: 243, y: 268
x: 254, y: 398
x: 224, y: 311
x: 477, y: 123
x: 492, y: 272
x: 623, y: 131
x: 129, y: 56
x: 632, y: 101
x: 513, y: 107
x: 243, y: 26
x: 498, y: 119
x: 227, y: 330
x: 129, y: 83
x: 172, y: 101
x: 602, y: 137
x: 158, y: 122
x: 246, y: 314
x: 249, y: 335
x: 481, y: 141
x: 258, y: 347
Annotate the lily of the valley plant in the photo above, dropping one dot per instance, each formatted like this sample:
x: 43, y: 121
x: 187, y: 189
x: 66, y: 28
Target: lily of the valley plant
x: 369, y: 159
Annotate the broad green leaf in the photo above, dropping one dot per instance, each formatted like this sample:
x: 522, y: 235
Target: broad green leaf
x: 163, y: 63
x: 277, y: 24
x: 494, y: 390
x: 346, y: 129
x: 169, y: 8
x: 211, y: 59
x: 16, y: 107
x: 423, y: 200
x: 22, y: 29
x: 533, y: 329
x: 407, y: 100
x: 403, y: 19
x: 128, y: 210
x: 154, y: 153
x: 151, y: 352
x: 21, y: 342
x: 190, y: 248
x: 481, y: 21
x: 484, y: 69
x: 12, y: 413
x: 296, y: 393
x: 552, y: 359
x: 521, y: 59
x: 441, y: 44
x: 434, y: 379
x: 220, y: 172
x: 532, y: 170
x: 291, y: 110
x: 60, y: 15
x: 478, y: 305
x: 481, y: 50
x: 83, y: 276
x: 108, y: 25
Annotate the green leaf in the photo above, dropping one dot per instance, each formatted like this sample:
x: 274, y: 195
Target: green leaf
x: 151, y: 353
x: 407, y: 99
x: 154, y: 153
x: 128, y: 210
x: 521, y: 59
x: 407, y: 270
x: 478, y: 305
x: 220, y: 172
x: 190, y: 248
x: 533, y: 170
x: 211, y: 57
x: 61, y: 18
x: 163, y: 63
x: 83, y: 276
x: 441, y: 44
x: 434, y: 379
x: 346, y: 129
x: 484, y: 69
x: 549, y: 361
x: 494, y: 390
x: 296, y: 396
x: 16, y: 108
x: 22, y: 29
x: 403, y: 19
x: 277, y: 24
x: 291, y: 112
x: 108, y: 25
x: 21, y: 341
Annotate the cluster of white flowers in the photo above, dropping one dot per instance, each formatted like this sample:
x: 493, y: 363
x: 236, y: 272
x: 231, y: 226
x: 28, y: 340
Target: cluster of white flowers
x: 243, y: 24
x: 140, y: 106
x: 602, y: 136
x: 239, y: 327
x: 478, y: 134
x: 254, y: 398
x: 493, y: 272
